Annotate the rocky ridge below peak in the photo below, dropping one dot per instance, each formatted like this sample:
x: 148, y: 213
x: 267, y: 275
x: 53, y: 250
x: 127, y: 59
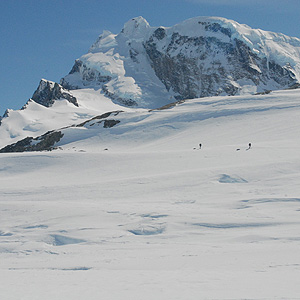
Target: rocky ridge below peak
x: 49, y: 91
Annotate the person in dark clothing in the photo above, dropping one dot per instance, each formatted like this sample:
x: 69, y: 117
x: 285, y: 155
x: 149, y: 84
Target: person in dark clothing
x: 249, y: 145
x: 200, y: 145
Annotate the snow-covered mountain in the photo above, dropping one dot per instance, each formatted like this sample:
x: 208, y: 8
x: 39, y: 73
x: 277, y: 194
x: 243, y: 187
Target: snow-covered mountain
x: 146, y: 67
x: 198, y: 58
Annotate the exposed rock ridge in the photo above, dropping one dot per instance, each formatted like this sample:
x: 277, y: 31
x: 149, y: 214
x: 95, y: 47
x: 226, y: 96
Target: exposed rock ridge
x: 101, y: 117
x: 45, y: 142
x: 48, y: 91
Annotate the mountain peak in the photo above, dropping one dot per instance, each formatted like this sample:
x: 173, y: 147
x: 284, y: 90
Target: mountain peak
x: 135, y: 27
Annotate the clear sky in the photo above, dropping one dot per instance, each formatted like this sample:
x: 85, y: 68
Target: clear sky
x: 42, y: 38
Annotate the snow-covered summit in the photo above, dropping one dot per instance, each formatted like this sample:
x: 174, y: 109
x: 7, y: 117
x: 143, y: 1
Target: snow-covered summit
x: 136, y: 28
x: 105, y: 41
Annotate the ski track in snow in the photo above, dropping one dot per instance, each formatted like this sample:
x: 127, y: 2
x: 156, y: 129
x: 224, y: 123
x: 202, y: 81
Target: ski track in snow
x: 150, y: 218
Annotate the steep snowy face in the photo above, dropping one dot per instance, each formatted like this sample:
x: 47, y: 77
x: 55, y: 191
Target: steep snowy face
x: 204, y: 56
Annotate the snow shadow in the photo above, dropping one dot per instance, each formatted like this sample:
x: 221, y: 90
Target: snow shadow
x: 71, y: 269
x: 153, y: 216
x: 224, y: 178
x: 271, y: 200
x: 36, y: 227
x: 2, y: 233
x: 147, y: 230
x: 76, y: 269
x: 233, y: 225
x: 60, y: 240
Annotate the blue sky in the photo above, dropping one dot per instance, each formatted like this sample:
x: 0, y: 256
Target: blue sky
x: 42, y: 38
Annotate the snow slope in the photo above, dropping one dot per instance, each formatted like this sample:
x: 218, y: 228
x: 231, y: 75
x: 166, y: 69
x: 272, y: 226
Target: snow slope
x: 154, y: 218
x: 37, y: 119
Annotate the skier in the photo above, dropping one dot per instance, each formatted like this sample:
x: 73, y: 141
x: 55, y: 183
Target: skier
x: 249, y: 145
x: 200, y: 145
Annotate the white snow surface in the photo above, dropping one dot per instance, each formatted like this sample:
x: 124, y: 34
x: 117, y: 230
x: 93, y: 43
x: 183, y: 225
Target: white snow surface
x: 154, y: 216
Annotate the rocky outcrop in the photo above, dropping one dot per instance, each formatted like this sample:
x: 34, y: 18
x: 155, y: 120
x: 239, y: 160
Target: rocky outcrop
x: 48, y: 91
x: 110, y: 123
x: 95, y: 119
x: 5, y: 115
x: 45, y: 142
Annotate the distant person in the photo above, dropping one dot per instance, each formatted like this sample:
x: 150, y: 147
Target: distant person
x: 249, y: 145
x: 200, y: 145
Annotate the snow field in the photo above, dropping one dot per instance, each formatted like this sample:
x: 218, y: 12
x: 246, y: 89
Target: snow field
x: 154, y: 218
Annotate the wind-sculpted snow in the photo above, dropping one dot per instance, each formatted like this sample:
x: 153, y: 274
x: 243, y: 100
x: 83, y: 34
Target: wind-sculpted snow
x: 224, y: 178
x: 61, y: 240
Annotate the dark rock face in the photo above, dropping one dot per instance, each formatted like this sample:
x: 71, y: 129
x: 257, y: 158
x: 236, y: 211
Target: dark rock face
x: 110, y: 123
x: 6, y: 114
x: 48, y: 92
x: 160, y: 33
x: 189, y: 74
x: 216, y: 27
x: 101, y: 117
x: 44, y: 142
